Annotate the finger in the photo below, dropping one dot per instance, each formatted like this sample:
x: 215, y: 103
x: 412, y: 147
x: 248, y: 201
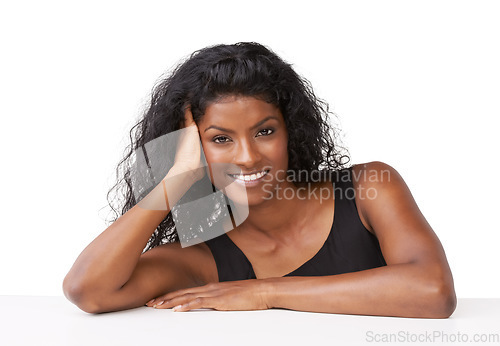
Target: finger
x: 202, y: 290
x: 188, y: 117
x: 169, y: 301
x: 156, y: 301
x: 181, y: 300
x: 168, y: 296
x: 205, y: 290
x: 198, y: 303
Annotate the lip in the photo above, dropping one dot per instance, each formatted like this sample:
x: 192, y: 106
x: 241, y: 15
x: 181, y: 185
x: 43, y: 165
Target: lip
x: 251, y: 182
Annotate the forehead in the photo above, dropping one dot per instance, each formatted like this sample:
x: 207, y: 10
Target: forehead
x: 238, y: 111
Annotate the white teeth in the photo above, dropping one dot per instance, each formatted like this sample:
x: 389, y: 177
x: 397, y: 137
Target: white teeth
x: 249, y: 177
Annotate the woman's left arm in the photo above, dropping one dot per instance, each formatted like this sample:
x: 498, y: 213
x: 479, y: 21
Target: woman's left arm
x: 416, y: 282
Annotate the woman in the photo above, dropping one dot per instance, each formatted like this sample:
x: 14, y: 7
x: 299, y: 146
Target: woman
x: 319, y: 236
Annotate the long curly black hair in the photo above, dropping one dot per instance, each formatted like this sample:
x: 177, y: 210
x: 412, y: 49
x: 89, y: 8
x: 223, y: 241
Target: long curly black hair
x: 241, y: 69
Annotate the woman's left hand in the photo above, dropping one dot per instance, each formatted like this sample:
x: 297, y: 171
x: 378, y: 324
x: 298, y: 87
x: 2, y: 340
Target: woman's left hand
x: 230, y: 295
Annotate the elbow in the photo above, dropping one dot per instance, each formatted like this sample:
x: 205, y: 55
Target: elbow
x: 80, y: 294
x: 446, y: 302
x: 442, y: 301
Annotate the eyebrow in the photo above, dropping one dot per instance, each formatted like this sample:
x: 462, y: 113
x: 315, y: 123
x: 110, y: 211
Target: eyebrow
x: 231, y: 131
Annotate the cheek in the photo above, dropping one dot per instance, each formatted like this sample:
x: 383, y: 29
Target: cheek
x: 215, y: 155
x: 208, y: 150
x: 281, y: 152
x: 218, y: 164
x: 281, y: 164
x: 282, y: 159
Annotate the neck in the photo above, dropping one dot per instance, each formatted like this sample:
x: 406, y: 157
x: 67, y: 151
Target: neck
x: 277, y: 216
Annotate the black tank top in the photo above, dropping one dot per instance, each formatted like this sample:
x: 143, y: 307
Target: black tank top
x: 349, y: 247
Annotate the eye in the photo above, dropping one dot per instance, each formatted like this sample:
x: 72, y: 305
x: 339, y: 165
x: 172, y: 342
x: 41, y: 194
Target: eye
x: 265, y: 132
x: 220, y: 139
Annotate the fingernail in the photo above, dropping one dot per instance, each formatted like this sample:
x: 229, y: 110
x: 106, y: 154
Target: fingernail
x: 151, y: 301
x: 178, y: 307
x: 160, y: 303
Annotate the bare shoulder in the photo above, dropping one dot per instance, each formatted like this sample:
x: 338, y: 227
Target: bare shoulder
x: 393, y: 215
x: 374, y: 173
x: 196, y: 260
x: 375, y: 184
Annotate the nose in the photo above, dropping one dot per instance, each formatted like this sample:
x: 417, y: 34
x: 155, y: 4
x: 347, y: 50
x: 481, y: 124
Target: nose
x: 247, y: 155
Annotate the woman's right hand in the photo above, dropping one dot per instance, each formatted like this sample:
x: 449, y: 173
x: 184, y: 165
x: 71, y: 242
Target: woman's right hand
x: 188, y: 153
x: 186, y: 170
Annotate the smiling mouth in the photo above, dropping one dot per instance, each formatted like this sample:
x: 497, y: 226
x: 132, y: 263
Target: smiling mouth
x: 248, y: 178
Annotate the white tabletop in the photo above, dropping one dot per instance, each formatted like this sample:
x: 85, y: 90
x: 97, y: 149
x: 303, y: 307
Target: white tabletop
x: 37, y: 321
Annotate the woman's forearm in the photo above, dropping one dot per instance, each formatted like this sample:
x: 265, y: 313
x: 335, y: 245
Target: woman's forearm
x: 404, y: 290
x: 107, y: 263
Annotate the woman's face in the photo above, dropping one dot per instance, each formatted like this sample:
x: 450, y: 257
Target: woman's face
x: 245, y: 144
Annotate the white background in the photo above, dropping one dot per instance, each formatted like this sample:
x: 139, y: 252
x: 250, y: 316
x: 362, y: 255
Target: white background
x: 415, y: 84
